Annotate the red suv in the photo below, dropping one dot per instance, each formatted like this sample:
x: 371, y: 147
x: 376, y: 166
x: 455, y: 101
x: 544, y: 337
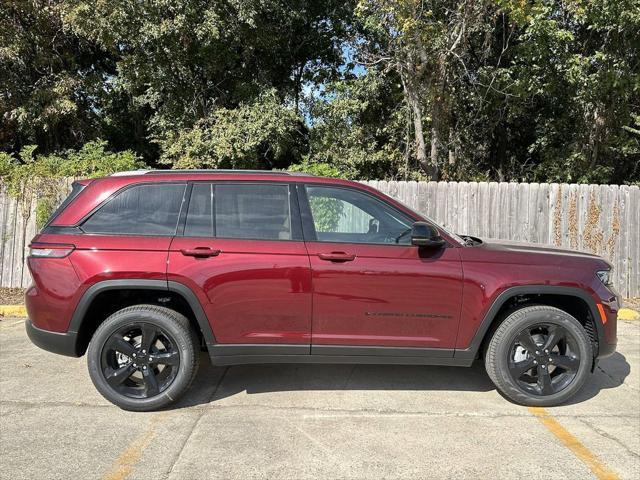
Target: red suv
x: 143, y: 269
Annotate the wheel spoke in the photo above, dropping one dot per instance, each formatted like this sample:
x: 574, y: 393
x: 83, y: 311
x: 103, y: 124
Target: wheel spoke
x: 119, y: 344
x: 556, y: 333
x: 526, y: 340
x: 544, y: 381
x: 519, y: 368
x: 116, y: 377
x: 565, y: 362
x: 150, y: 382
x: 166, y: 358
x: 149, y: 335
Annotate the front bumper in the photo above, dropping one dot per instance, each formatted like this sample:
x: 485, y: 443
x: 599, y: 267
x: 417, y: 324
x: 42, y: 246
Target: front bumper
x: 56, y: 342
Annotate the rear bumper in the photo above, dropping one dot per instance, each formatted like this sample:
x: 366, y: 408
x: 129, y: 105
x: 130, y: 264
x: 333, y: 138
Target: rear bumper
x: 60, y: 343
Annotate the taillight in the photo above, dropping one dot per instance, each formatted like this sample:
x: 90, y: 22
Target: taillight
x: 50, y: 250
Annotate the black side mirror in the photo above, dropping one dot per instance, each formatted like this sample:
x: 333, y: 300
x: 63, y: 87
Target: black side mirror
x: 424, y: 234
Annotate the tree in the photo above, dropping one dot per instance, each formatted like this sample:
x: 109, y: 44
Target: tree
x: 184, y: 60
x: 423, y: 42
x: 51, y: 80
x: 262, y: 134
x: 359, y: 127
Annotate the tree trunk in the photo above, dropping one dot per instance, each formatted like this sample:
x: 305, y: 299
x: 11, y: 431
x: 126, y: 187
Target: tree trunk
x: 452, y: 150
x: 436, y: 128
x: 416, y: 110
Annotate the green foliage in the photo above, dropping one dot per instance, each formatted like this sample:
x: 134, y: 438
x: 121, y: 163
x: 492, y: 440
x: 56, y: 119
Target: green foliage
x: 318, y: 169
x: 52, y: 81
x: 358, y: 127
x: 184, y: 60
x: 44, y: 208
x: 30, y: 176
x: 506, y: 90
x: 327, y: 213
x: 260, y: 134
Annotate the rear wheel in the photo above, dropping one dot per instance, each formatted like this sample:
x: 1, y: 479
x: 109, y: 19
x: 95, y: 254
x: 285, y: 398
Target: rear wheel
x: 143, y: 357
x: 539, y: 356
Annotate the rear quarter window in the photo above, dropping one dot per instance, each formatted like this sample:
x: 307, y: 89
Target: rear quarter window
x: 146, y: 209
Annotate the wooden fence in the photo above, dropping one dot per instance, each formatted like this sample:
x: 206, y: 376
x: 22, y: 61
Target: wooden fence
x: 603, y: 219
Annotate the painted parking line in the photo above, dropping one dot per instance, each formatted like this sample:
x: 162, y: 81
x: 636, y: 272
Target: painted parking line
x: 13, y: 311
x: 599, y: 469
x: 628, y: 314
x: 124, y: 464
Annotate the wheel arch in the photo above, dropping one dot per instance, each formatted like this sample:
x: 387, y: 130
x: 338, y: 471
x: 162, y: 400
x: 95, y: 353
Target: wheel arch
x: 90, y: 310
x: 520, y: 296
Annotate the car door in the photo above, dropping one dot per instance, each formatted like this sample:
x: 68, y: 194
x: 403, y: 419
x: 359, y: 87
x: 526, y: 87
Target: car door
x: 371, y: 287
x: 241, y: 252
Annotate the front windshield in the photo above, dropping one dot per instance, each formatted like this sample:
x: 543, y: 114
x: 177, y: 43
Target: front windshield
x: 440, y: 227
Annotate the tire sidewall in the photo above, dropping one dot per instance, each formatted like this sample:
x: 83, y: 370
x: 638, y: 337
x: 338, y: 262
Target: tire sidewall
x: 551, y: 316
x: 182, y: 342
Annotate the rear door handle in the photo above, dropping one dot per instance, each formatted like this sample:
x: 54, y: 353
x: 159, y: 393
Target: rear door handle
x: 200, y: 252
x: 337, y: 257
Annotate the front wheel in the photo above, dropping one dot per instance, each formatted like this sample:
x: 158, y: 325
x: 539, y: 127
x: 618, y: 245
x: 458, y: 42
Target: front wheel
x: 143, y: 357
x: 539, y: 356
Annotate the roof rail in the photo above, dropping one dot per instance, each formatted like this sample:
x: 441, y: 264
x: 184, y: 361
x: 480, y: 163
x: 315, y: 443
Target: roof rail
x: 209, y: 171
x: 129, y: 172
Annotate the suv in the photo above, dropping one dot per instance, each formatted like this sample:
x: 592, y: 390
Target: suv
x: 143, y: 269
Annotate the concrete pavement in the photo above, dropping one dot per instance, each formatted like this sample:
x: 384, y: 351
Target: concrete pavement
x: 313, y: 421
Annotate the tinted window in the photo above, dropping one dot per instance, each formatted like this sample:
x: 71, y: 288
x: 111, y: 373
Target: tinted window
x: 259, y: 211
x: 346, y: 215
x: 140, y: 210
x: 200, y: 217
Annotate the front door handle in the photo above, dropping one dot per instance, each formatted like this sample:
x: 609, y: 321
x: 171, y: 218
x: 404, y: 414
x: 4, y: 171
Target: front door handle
x: 200, y: 252
x: 337, y: 257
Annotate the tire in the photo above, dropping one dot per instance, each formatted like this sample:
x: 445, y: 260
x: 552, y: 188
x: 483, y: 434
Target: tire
x: 552, y: 378
x: 143, y: 357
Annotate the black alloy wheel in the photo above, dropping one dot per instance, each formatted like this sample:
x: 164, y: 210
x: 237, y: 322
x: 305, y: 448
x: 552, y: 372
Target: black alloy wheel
x: 140, y: 360
x: 544, y: 359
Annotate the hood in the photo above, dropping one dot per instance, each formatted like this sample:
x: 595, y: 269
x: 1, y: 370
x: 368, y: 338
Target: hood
x: 527, y: 253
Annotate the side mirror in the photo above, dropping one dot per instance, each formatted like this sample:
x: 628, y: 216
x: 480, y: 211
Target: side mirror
x: 424, y: 234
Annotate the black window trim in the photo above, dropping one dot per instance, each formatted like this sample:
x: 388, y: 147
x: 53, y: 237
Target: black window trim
x: 308, y: 225
x: 297, y: 230
x: 111, y: 197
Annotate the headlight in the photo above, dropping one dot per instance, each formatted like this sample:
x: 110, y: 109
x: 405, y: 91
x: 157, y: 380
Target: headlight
x: 605, y: 277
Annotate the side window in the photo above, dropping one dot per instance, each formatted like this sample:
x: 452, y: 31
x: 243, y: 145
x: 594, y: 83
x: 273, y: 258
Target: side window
x: 346, y: 215
x: 252, y: 211
x: 148, y: 209
x: 199, y: 221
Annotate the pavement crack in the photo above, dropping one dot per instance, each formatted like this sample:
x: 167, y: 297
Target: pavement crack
x: 606, y: 435
x: 202, y: 411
